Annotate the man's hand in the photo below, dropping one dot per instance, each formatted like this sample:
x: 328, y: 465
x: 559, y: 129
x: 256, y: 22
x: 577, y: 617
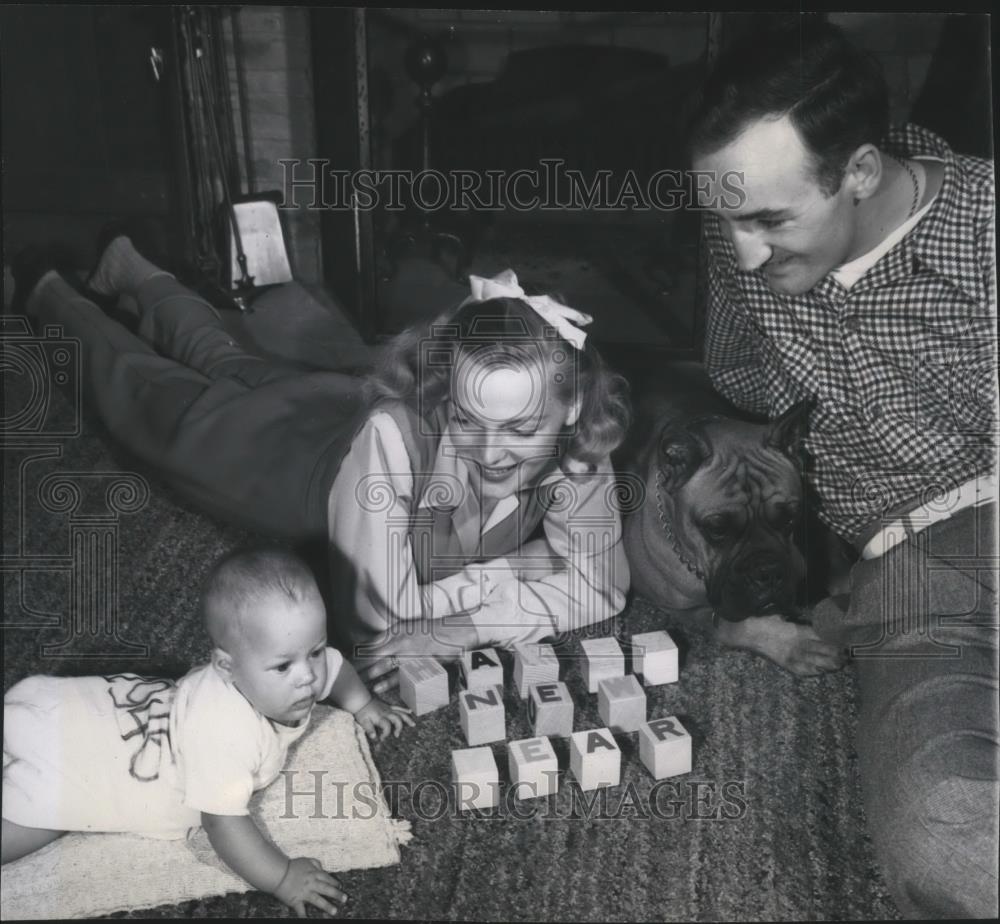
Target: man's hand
x: 794, y: 646
x: 306, y: 882
x: 381, y: 718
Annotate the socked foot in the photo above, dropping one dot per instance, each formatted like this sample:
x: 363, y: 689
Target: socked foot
x: 121, y: 269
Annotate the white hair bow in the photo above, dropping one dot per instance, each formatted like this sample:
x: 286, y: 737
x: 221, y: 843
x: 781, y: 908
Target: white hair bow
x: 563, y: 318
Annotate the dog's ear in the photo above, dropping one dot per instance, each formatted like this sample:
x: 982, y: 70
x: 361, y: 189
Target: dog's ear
x: 682, y: 452
x: 788, y: 432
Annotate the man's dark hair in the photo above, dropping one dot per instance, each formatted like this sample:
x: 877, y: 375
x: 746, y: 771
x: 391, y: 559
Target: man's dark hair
x: 834, y: 93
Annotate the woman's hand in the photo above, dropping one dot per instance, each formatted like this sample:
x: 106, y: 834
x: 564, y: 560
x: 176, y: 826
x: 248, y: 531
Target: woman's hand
x: 446, y: 639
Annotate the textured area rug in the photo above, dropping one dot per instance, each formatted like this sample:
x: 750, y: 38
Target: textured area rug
x: 768, y: 825
x: 344, y: 825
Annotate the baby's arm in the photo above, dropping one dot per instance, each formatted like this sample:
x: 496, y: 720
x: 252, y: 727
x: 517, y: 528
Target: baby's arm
x: 244, y: 850
x: 371, y: 713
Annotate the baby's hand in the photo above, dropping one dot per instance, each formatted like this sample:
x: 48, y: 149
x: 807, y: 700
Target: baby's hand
x: 378, y: 714
x: 306, y: 881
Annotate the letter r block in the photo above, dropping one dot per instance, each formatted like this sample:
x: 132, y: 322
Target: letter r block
x: 665, y: 747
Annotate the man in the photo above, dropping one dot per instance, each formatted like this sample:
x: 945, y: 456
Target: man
x: 855, y: 267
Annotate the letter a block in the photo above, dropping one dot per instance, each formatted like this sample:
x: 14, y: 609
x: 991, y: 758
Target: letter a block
x: 654, y: 655
x: 550, y: 709
x: 534, y: 663
x: 423, y: 684
x: 594, y: 758
x: 477, y: 780
x: 534, y: 769
x: 665, y: 747
x: 602, y: 658
x: 482, y: 715
x: 481, y: 669
x: 621, y: 702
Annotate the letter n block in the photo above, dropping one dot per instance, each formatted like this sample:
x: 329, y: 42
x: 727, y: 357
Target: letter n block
x: 423, y: 684
x: 594, y: 758
x: 481, y: 669
x: 602, y: 658
x: 550, y: 709
x: 665, y: 747
x: 534, y: 769
x: 621, y: 702
x: 482, y: 716
x: 534, y: 663
x: 654, y: 655
x: 477, y: 780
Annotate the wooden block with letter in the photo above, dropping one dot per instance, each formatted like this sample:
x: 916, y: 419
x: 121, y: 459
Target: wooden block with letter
x: 423, y: 684
x: 602, y: 658
x: 534, y: 663
x: 621, y: 702
x: 482, y: 716
x: 665, y: 747
x: 533, y: 766
x: 550, y: 709
x: 477, y: 780
x: 654, y: 655
x: 595, y: 759
x: 481, y: 669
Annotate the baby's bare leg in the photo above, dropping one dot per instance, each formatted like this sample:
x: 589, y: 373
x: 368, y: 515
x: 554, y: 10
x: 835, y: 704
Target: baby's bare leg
x: 16, y: 841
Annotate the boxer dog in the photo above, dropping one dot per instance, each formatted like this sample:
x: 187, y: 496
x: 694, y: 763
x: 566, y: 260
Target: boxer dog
x: 715, y: 533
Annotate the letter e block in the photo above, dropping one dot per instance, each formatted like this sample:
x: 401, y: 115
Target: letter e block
x: 594, y: 758
x: 534, y: 769
x: 534, y: 663
x: 665, y: 747
x: 602, y: 658
x: 654, y: 655
x: 477, y: 780
x: 423, y: 684
x: 481, y: 669
x: 550, y: 709
x: 621, y: 702
x: 482, y: 715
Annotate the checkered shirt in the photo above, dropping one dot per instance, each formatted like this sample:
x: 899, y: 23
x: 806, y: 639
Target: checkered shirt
x: 901, y: 367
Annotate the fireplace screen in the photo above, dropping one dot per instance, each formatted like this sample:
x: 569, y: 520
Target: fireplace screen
x: 551, y: 143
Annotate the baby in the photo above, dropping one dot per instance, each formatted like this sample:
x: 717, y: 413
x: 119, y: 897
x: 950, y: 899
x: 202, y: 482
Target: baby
x: 154, y: 757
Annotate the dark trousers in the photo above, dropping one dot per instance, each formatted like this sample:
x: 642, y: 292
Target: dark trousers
x: 250, y: 440
x: 922, y: 623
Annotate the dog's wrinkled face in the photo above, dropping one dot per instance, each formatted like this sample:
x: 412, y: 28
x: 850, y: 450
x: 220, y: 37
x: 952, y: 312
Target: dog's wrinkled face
x: 733, y: 496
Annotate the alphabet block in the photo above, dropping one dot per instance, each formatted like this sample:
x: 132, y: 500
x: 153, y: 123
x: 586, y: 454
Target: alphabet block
x: 423, y: 684
x: 602, y: 658
x: 477, y: 780
x: 482, y: 715
x: 621, y: 702
x: 594, y: 758
x: 654, y: 655
x: 550, y: 709
x: 481, y: 669
x: 665, y: 747
x: 534, y: 768
x: 534, y: 663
